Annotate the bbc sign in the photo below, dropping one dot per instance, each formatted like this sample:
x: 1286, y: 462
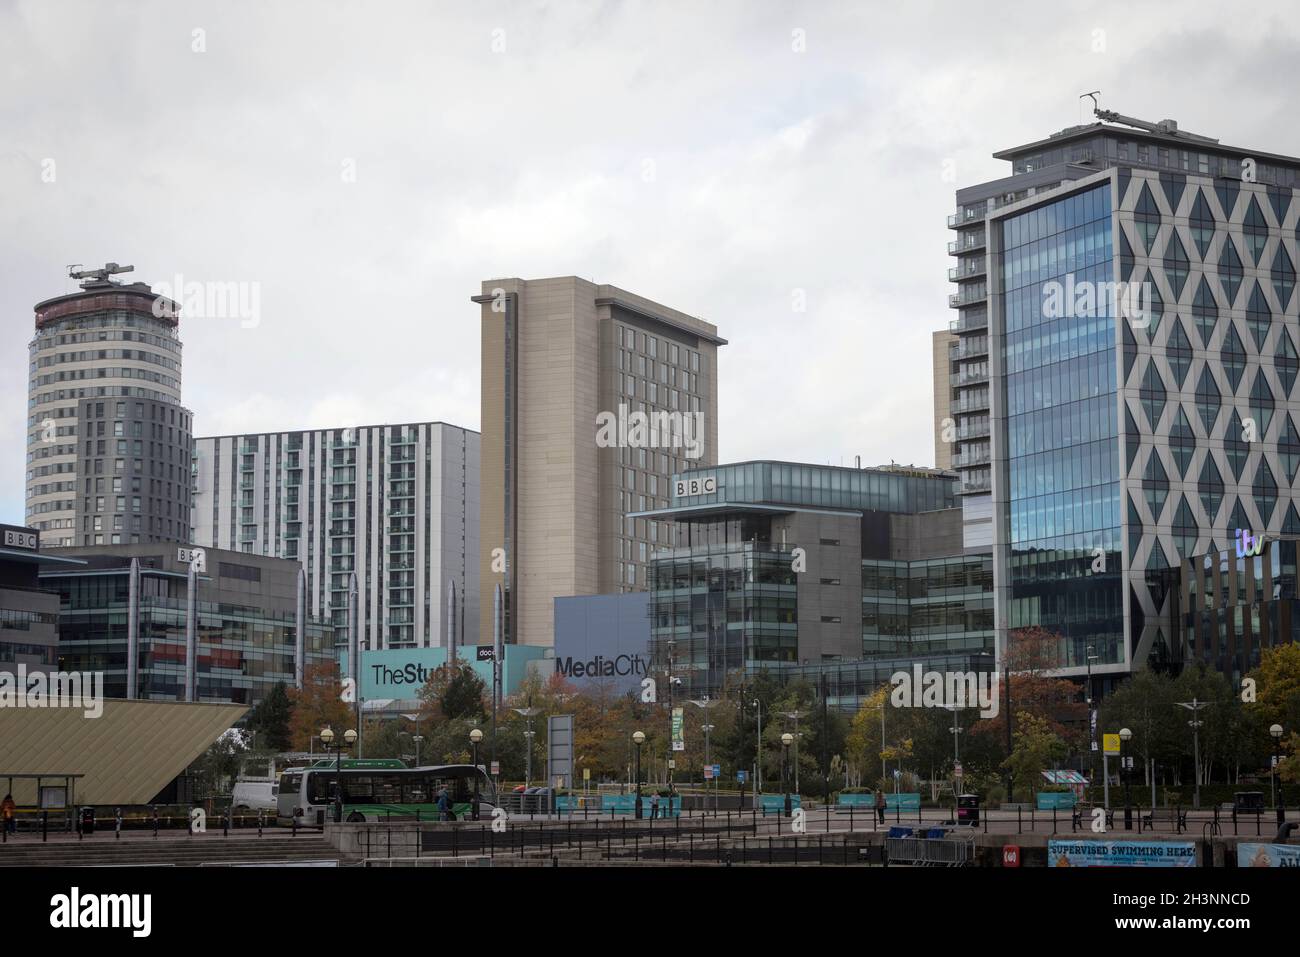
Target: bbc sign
x: 20, y: 538
x: 707, y: 485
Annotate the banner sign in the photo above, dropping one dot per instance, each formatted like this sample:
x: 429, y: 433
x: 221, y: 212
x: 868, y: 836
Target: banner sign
x: 1268, y: 855
x: 679, y: 720
x: 1121, y: 854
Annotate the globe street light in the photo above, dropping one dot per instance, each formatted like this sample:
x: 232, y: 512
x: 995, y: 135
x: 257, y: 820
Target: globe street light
x: 638, y: 738
x: 787, y: 739
x: 327, y: 739
x: 475, y: 736
x: 1276, y: 732
x: 1125, y: 735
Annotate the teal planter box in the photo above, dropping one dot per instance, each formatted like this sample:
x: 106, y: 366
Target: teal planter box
x: 775, y: 803
x: 1058, y: 800
x: 626, y: 804
x: 901, y: 802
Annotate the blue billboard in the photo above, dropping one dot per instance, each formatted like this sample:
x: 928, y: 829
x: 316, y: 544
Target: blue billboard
x: 603, y: 640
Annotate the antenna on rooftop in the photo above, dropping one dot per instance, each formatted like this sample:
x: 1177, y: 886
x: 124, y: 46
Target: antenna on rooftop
x: 97, y: 275
x: 1096, y: 103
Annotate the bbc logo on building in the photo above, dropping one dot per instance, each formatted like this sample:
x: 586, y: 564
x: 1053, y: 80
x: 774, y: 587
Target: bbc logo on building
x: 696, y: 486
x: 20, y: 538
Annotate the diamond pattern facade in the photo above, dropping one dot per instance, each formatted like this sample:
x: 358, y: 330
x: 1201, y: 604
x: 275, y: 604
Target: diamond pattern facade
x: 1221, y: 260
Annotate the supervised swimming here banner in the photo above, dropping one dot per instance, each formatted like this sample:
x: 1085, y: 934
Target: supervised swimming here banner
x: 1121, y: 854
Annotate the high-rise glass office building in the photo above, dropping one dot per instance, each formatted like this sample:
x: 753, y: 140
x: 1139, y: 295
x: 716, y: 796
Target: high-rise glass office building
x: 1122, y: 381
x: 395, y: 504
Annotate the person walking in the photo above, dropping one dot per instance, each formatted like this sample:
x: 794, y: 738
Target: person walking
x: 444, y: 805
x: 654, y: 805
x: 7, y: 810
x: 880, y: 805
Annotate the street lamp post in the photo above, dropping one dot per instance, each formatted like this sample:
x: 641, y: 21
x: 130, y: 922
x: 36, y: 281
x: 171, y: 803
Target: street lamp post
x: 1092, y: 715
x: 1195, y: 707
x: 327, y: 739
x: 528, y: 741
x: 758, y: 753
x: 475, y: 736
x: 1125, y: 735
x: 795, y: 716
x: 787, y: 739
x: 956, y: 729
x: 417, y: 738
x: 1280, y: 801
x: 706, y: 729
x: 638, y: 738
x: 704, y: 704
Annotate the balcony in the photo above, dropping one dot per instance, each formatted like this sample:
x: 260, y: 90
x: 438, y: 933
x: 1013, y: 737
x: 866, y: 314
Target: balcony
x: 971, y: 457
x: 969, y: 242
x: 977, y: 481
x: 974, y: 401
x: 968, y: 376
x: 969, y: 321
x: 973, y: 430
x: 967, y: 296
x: 967, y: 269
x: 968, y: 215
x: 969, y: 348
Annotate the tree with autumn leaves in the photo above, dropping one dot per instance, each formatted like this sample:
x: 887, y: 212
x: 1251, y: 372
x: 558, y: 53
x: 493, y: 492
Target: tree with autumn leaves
x: 318, y: 704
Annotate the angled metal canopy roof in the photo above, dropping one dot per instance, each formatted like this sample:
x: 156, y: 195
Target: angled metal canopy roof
x: 125, y: 756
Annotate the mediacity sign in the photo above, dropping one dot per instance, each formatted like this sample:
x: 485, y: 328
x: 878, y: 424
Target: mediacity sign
x: 1121, y: 854
x: 603, y: 640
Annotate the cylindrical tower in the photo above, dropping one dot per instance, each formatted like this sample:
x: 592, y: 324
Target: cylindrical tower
x: 109, y: 445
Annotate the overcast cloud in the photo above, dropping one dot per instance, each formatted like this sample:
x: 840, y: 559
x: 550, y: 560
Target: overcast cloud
x: 686, y: 152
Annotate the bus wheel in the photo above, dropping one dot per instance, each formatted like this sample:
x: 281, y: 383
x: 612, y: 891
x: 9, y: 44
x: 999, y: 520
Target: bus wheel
x: 356, y: 817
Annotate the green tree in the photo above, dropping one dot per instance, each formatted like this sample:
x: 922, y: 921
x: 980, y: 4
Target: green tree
x: 453, y: 694
x: 1035, y: 748
x: 1278, y: 686
x: 214, y: 772
x: 271, y: 719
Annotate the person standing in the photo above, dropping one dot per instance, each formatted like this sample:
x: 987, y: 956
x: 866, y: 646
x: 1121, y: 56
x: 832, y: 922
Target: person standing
x: 444, y: 805
x: 7, y: 811
x: 880, y: 805
x: 654, y: 805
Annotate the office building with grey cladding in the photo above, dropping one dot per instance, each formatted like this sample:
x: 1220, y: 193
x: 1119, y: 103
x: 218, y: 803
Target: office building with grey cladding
x: 396, y: 505
x: 1101, y: 446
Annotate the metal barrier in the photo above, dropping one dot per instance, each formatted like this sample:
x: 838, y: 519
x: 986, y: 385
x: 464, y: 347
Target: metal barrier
x: 953, y: 849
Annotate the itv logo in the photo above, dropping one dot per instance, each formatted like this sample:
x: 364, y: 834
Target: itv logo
x: 1249, y: 545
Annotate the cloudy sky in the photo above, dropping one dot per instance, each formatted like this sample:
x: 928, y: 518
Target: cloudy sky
x: 364, y: 166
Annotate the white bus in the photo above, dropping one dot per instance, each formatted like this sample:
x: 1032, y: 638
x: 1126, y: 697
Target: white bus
x: 377, y: 790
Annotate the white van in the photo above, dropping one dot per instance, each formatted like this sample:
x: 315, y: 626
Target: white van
x: 254, y: 794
